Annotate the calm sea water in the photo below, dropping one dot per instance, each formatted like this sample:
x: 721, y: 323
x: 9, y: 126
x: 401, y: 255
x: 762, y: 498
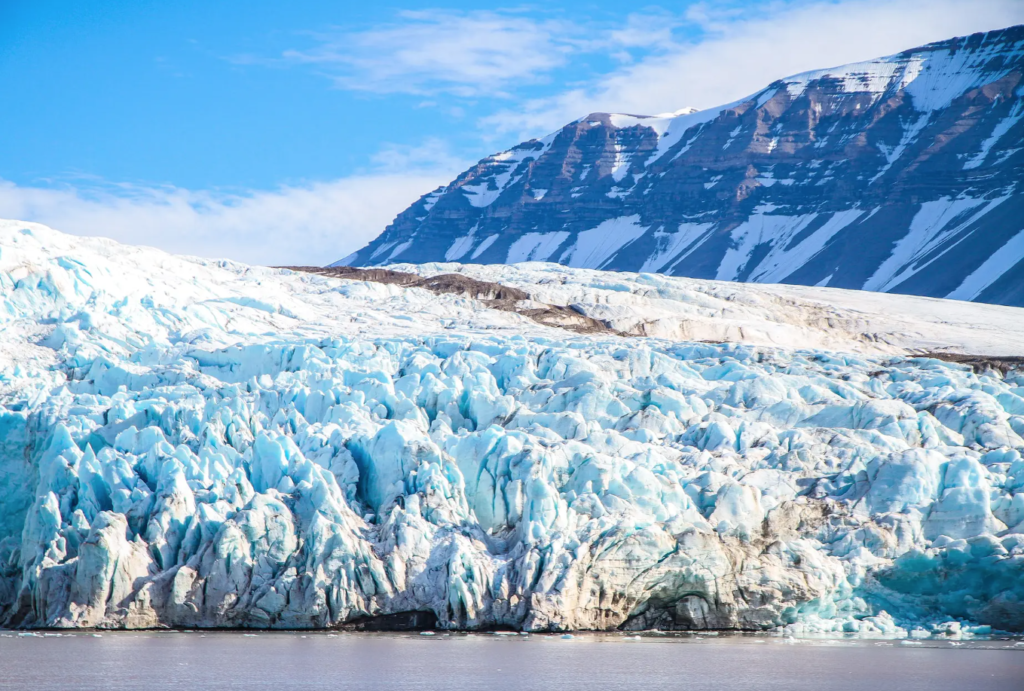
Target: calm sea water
x: 195, y: 661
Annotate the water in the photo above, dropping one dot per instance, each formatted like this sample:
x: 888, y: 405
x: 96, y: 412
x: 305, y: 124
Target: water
x: 200, y: 662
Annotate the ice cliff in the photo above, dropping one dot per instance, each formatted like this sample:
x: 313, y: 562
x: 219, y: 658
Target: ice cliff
x: 195, y: 443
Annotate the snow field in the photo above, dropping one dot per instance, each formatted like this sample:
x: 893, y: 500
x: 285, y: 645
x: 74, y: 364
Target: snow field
x: 770, y: 315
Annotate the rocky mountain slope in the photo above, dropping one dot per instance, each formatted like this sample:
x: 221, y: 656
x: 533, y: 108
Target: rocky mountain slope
x: 196, y: 443
x: 901, y: 174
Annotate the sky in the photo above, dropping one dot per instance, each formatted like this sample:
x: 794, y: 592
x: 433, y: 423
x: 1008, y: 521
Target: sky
x: 293, y: 133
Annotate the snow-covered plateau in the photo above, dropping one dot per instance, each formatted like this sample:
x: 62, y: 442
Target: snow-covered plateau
x: 198, y: 443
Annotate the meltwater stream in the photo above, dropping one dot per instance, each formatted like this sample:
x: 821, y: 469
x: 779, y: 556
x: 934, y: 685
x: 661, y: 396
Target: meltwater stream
x: 177, y: 660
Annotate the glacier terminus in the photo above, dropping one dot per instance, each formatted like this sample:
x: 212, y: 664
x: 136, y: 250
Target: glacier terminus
x: 195, y: 443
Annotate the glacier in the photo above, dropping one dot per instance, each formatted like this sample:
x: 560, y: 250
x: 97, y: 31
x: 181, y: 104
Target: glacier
x: 196, y: 443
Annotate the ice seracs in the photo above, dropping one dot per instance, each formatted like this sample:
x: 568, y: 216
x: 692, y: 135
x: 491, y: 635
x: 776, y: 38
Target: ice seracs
x: 194, y: 443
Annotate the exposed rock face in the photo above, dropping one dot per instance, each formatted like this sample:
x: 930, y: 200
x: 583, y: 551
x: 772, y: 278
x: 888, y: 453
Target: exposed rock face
x: 902, y: 174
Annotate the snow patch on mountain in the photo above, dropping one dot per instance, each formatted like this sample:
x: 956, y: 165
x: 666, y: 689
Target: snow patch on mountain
x: 484, y: 245
x: 674, y: 245
x: 535, y: 247
x: 794, y: 250
x: 1002, y: 261
x: 941, y: 75
x: 759, y: 231
x: 461, y: 246
x: 932, y: 229
x: 595, y: 246
x: 1001, y: 128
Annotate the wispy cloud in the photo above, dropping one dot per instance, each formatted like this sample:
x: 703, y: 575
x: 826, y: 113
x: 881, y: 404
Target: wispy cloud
x: 305, y: 224
x: 469, y: 54
x: 740, y: 52
x: 433, y: 154
x: 441, y: 51
x: 731, y: 49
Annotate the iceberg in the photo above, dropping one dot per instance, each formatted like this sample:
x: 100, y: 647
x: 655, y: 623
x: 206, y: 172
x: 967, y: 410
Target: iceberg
x: 194, y: 443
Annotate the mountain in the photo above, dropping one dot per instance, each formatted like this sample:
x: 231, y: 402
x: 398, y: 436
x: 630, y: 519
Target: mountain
x: 196, y: 443
x: 902, y: 174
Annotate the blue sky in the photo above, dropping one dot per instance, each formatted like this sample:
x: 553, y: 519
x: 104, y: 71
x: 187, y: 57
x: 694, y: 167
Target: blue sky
x: 293, y: 132
x: 249, y: 94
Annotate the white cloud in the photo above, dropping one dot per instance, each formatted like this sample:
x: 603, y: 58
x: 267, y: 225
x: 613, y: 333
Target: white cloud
x: 432, y: 51
x: 470, y: 54
x: 647, y: 31
x: 433, y: 154
x: 313, y: 224
x: 743, y: 52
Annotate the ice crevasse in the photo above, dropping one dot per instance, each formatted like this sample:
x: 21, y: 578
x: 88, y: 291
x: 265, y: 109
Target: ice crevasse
x: 195, y: 443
